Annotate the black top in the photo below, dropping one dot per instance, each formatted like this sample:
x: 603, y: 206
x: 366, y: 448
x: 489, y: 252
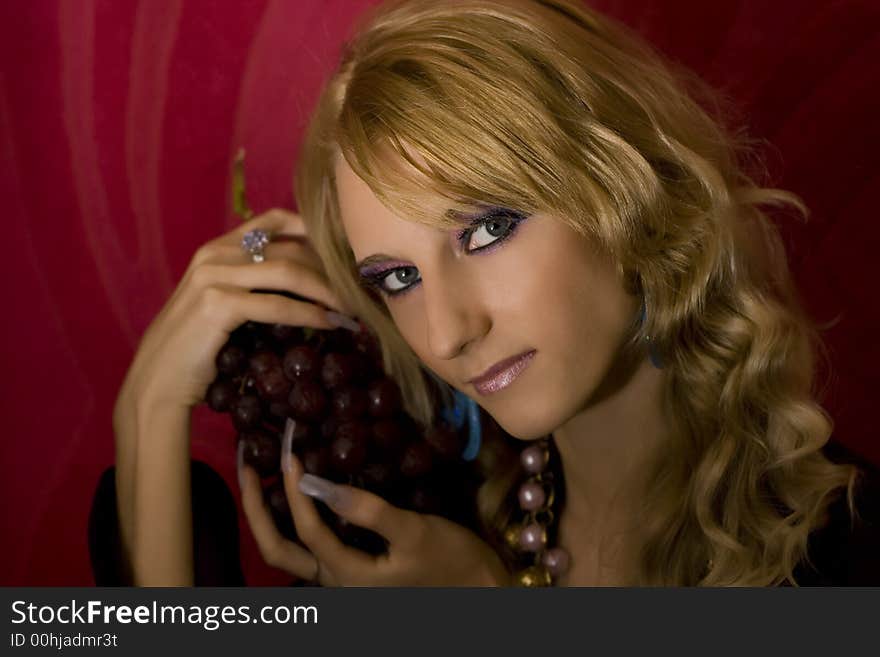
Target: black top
x: 847, y: 553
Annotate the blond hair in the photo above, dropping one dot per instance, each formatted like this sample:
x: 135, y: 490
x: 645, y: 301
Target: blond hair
x: 547, y: 106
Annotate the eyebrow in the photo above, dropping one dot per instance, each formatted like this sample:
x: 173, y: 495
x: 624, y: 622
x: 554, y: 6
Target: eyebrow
x: 466, y: 219
x: 374, y: 259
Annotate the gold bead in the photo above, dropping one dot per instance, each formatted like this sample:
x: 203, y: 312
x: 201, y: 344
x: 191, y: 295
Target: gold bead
x: 534, y: 576
x: 511, y: 537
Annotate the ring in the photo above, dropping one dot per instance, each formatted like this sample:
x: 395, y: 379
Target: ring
x: 253, y: 242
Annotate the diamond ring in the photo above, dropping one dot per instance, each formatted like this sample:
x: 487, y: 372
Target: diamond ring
x: 253, y: 242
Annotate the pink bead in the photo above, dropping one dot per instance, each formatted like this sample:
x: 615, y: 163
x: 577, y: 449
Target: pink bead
x: 531, y: 496
x: 532, y: 537
x: 556, y: 561
x: 534, y: 459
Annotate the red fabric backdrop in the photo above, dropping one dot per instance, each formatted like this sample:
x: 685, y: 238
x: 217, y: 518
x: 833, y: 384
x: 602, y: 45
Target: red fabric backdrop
x: 118, y: 124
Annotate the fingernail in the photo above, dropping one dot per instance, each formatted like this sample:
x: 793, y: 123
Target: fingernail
x: 323, y: 490
x: 239, y: 463
x: 287, y: 445
x: 342, y: 321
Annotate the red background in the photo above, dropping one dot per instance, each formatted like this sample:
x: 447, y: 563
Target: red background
x: 118, y: 124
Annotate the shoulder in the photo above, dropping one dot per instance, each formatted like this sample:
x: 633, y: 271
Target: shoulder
x: 844, y: 552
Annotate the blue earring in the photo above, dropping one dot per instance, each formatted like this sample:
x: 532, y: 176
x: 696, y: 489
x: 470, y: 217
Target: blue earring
x: 465, y: 408
x: 653, y: 354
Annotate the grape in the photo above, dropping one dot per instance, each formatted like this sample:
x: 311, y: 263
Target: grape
x: 316, y: 461
x: 383, y: 397
x: 263, y: 361
x: 387, y: 435
x: 416, y: 460
x: 221, y: 395
x: 338, y: 369
x: 231, y: 359
x: 303, y: 436
x: 262, y: 451
x: 247, y: 412
x: 348, y: 424
x: 328, y: 428
x: 379, y: 475
x: 307, y: 399
x: 283, y: 332
x: 349, y: 448
x: 349, y: 403
x: 301, y: 361
x: 447, y: 443
x: 272, y: 384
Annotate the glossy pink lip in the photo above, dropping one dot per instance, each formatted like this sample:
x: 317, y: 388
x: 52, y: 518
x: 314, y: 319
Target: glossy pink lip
x: 502, y: 374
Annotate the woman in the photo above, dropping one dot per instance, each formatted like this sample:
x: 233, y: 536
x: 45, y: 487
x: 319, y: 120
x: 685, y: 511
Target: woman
x: 555, y: 202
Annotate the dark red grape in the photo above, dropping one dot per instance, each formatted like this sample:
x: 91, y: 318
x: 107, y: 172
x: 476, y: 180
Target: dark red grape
x: 425, y: 499
x: 221, y: 395
x: 316, y: 461
x: 231, y: 359
x: 301, y: 362
x: 283, y: 332
x: 262, y: 451
x: 383, y: 397
x: 348, y: 451
x: 281, y: 409
x: 272, y: 384
x: 307, y: 399
x: 276, y: 497
x: 338, y: 369
x: 448, y: 444
x: 417, y: 459
x: 263, y: 361
x: 388, y: 435
x: 303, y: 436
x: 247, y: 412
x: 379, y: 475
x: 329, y: 427
x: 349, y: 403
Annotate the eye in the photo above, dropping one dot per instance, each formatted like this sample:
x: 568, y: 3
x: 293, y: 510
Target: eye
x: 397, y: 280
x: 490, y: 230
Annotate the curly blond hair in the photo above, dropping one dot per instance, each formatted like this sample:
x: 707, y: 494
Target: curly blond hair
x: 547, y: 106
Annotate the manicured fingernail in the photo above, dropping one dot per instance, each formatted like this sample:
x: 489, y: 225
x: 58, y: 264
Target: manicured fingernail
x: 342, y: 321
x: 287, y: 445
x: 239, y: 463
x: 323, y: 490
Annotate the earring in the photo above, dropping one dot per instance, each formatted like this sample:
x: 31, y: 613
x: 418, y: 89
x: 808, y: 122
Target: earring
x: 465, y: 409
x: 653, y: 352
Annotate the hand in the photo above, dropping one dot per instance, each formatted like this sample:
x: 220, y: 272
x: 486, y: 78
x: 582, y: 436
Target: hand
x: 175, y: 362
x: 424, y: 550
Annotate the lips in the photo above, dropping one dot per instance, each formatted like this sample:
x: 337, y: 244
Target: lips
x: 502, y: 374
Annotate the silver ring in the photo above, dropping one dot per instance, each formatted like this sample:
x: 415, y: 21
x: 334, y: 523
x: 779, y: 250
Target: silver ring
x: 254, y: 241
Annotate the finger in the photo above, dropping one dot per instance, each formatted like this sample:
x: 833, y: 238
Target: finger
x: 343, y: 561
x: 403, y: 529
x: 276, y: 550
x: 270, y: 274
x: 276, y: 221
x: 234, y: 306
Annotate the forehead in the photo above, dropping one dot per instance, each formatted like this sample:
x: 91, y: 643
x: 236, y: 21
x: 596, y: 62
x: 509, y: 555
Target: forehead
x: 370, y: 225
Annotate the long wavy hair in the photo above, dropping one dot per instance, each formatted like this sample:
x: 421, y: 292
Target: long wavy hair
x: 547, y: 106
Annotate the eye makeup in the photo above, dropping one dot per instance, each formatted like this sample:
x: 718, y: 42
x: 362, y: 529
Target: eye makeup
x: 496, y: 215
x: 377, y: 271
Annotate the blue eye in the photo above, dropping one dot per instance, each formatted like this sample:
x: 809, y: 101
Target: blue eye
x: 398, y: 280
x: 492, y: 228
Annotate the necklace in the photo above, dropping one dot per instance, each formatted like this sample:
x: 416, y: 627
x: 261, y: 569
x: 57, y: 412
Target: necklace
x: 529, y: 534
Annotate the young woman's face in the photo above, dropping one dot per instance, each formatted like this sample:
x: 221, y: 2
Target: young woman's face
x: 507, y: 287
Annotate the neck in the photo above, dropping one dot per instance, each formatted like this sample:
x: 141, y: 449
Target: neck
x: 607, y: 451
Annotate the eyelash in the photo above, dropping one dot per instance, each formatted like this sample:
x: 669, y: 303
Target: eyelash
x: 376, y: 280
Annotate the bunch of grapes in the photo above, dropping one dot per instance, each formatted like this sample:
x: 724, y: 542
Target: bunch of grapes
x: 329, y: 391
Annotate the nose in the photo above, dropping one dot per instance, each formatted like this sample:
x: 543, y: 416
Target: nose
x: 455, y: 316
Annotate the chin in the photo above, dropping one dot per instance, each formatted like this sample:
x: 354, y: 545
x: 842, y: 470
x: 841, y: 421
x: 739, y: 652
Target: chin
x: 526, y: 424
